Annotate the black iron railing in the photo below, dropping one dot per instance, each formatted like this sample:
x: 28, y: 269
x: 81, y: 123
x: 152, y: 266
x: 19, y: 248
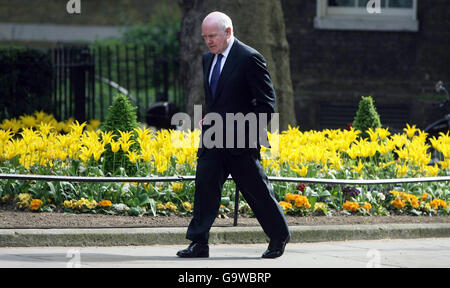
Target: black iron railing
x: 87, y: 78
x: 236, y: 198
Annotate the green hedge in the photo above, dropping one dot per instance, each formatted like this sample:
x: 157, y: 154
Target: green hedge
x: 25, y: 81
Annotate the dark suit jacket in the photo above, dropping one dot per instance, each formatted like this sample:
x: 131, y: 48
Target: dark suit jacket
x: 244, y: 87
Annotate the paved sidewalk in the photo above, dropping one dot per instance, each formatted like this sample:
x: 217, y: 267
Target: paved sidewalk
x: 218, y: 235
x: 429, y: 252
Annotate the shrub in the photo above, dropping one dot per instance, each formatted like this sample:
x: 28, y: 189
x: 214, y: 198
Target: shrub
x: 121, y: 118
x: 366, y: 117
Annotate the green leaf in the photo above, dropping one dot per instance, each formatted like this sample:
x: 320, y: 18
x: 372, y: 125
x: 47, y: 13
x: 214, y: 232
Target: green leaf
x: 152, y: 206
x: 225, y: 201
x: 52, y: 189
x: 144, y: 199
x: 310, y: 192
x: 324, y: 193
x: 312, y: 201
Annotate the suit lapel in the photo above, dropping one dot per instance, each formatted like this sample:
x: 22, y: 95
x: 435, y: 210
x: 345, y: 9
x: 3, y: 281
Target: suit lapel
x: 206, y: 71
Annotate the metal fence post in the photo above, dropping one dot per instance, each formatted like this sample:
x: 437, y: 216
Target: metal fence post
x: 236, y: 206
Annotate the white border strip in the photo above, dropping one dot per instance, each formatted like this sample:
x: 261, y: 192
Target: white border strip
x: 56, y: 33
x: 191, y: 178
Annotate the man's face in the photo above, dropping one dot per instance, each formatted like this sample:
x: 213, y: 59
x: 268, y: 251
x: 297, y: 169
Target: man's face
x: 215, y: 38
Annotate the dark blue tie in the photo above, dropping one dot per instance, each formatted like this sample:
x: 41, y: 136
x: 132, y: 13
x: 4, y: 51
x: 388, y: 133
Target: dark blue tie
x: 215, y: 75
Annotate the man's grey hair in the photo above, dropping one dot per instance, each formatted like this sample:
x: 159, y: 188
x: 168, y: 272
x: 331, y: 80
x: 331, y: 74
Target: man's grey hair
x: 222, y: 19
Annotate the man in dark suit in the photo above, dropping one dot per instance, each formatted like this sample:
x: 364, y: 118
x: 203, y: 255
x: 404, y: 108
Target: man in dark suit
x: 236, y: 81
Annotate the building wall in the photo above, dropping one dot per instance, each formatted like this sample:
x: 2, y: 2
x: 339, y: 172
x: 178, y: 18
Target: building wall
x: 93, y: 12
x: 332, y: 69
x: 41, y: 22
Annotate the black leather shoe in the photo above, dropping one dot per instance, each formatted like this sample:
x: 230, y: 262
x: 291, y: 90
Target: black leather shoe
x: 195, y: 250
x: 275, y: 249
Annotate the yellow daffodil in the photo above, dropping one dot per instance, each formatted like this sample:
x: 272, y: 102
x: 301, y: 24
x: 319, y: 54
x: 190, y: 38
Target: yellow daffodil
x: 107, y: 137
x: 401, y: 170
x: 300, y: 171
x: 383, y: 133
x: 410, y: 130
x: 115, y: 146
x: 358, y: 168
x: 132, y: 156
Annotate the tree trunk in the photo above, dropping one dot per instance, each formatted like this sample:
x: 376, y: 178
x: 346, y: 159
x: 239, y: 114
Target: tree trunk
x: 257, y: 23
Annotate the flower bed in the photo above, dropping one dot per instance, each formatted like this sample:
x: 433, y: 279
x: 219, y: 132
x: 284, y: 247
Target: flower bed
x: 38, y: 144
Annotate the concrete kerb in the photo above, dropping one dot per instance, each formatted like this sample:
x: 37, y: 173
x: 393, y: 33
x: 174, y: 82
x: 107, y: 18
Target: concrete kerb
x: 218, y: 235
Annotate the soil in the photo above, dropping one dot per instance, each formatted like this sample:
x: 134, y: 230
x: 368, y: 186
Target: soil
x: 45, y: 220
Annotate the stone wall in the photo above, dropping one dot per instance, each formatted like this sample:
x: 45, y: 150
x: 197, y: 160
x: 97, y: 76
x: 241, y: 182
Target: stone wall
x: 333, y: 68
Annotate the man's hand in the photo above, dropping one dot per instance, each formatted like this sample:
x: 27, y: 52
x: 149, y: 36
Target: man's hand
x: 200, y: 123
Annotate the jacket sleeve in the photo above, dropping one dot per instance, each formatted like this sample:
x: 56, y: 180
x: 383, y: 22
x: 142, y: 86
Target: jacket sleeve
x: 262, y: 94
x: 261, y: 87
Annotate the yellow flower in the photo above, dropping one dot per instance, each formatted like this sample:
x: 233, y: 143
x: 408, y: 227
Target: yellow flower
x: 143, y: 134
x: 94, y: 124
x: 424, y: 197
x: 170, y: 206
x: 77, y: 128
x: 436, y: 203
x: 432, y: 171
x: 126, y: 145
x: 187, y: 206
x: 107, y: 137
x: 398, y: 203
x: 132, y: 156
x: 177, y: 187
x: 410, y: 131
x: 300, y: 171
x: 290, y: 197
x: 372, y: 135
x: 401, y: 170
x: 367, y: 206
x: 28, y: 121
x: 353, y: 152
x: 383, y: 133
x: 5, y: 135
x: 45, y: 128
x: 125, y: 136
x: 91, y: 204
x: 285, y: 205
x: 105, y: 203
x: 353, y: 206
x: 35, y: 204
x: 115, y: 146
x: 302, y: 201
x: 320, y: 206
x: 24, y: 197
x: 358, y: 168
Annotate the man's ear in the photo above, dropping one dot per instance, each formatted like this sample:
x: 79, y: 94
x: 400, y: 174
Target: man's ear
x: 228, y: 31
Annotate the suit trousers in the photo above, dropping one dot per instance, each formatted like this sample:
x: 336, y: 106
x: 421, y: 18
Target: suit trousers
x: 213, y: 167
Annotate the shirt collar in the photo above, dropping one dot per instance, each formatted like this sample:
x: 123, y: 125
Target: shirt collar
x: 227, y: 51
